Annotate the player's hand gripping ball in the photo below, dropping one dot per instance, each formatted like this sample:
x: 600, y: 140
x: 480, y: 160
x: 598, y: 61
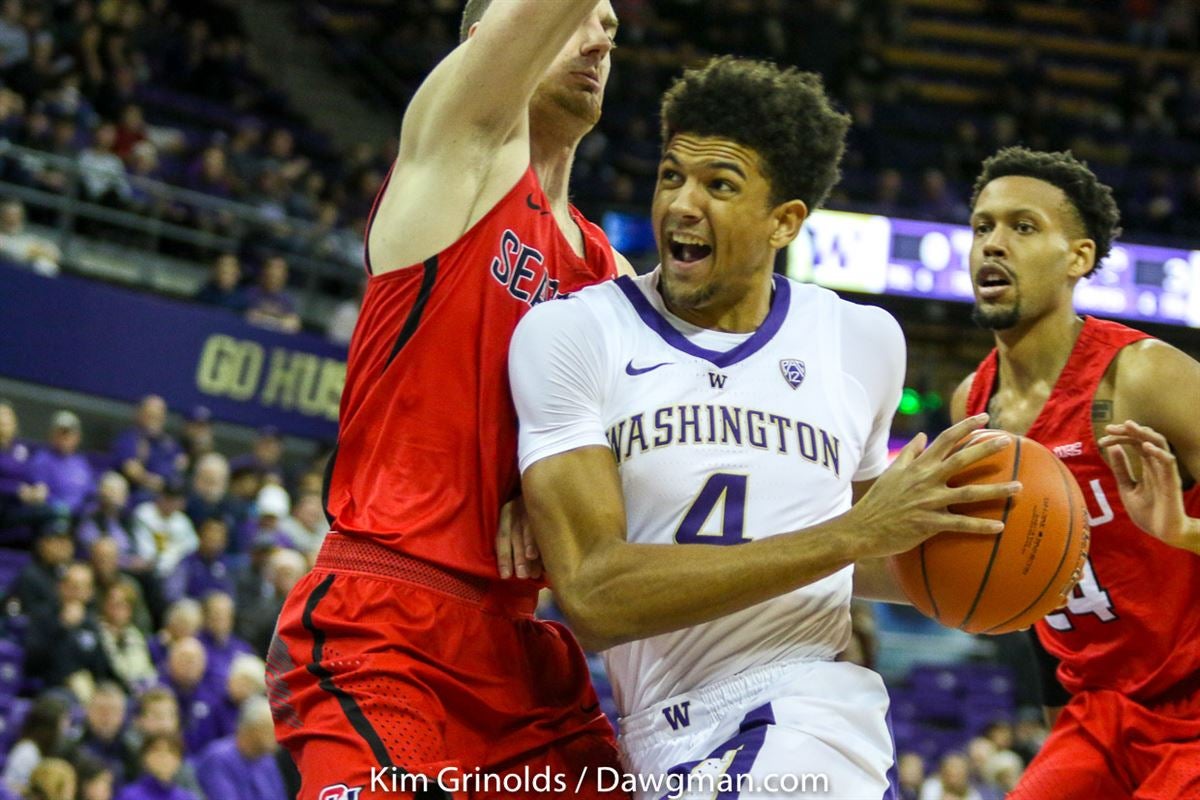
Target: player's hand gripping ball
x: 984, y: 584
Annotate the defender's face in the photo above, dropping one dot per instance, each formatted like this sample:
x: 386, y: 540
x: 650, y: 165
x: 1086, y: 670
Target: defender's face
x: 576, y: 80
x: 1024, y: 261
x: 713, y: 222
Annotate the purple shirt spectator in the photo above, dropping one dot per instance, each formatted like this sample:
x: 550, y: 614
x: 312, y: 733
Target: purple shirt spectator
x: 14, y: 469
x: 221, y: 654
x: 225, y: 773
x: 69, y: 477
x: 151, y: 788
x: 199, y: 723
x: 158, y: 454
x: 96, y: 526
x: 197, y: 575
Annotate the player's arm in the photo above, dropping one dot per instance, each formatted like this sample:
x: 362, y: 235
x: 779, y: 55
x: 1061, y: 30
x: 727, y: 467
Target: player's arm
x: 465, y: 133
x: 873, y: 580
x: 1161, y: 434
x: 615, y: 591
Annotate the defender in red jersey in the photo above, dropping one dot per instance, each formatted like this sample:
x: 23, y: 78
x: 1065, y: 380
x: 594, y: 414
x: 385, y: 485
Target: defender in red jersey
x: 403, y: 665
x: 1128, y: 641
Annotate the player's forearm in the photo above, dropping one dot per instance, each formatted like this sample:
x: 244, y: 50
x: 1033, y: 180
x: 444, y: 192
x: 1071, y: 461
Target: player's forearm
x: 1189, y: 539
x: 628, y: 591
x: 874, y: 581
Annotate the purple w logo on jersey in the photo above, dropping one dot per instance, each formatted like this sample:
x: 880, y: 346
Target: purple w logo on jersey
x: 793, y: 371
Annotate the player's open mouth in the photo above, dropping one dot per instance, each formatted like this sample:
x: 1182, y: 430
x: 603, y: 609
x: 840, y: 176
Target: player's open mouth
x: 687, y: 250
x: 992, y: 282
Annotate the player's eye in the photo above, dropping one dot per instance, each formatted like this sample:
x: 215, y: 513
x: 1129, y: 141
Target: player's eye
x: 1026, y: 227
x: 668, y: 175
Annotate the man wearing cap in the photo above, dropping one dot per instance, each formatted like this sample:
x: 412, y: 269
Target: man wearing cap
x: 197, y: 434
x: 145, y: 453
x: 271, y: 508
x: 36, y: 585
x: 69, y: 478
x: 164, y: 534
x: 265, y: 456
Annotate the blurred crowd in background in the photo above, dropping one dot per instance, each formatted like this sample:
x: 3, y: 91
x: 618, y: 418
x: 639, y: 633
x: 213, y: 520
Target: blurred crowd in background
x: 142, y: 577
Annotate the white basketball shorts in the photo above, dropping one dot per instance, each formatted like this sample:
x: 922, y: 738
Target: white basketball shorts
x: 799, y: 729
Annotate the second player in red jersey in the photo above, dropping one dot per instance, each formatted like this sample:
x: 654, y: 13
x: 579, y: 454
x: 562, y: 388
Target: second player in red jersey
x: 1128, y: 642
x: 403, y: 665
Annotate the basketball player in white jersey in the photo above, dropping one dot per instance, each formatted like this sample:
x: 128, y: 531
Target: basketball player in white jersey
x: 713, y: 403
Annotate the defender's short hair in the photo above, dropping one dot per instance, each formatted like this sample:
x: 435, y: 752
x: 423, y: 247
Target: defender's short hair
x: 782, y: 114
x: 1092, y: 202
x: 471, y: 14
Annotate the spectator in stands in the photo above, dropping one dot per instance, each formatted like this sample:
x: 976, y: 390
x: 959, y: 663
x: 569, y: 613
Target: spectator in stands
x: 102, y: 736
x: 952, y: 781
x: 102, y: 171
x: 910, y: 775
x: 158, y: 715
x: 131, y: 131
x: 22, y: 501
x: 107, y: 518
x: 145, y: 453
x: 96, y: 779
x: 937, y: 201
x: 209, y: 569
x: 164, y: 534
x: 41, y: 737
x: 184, y: 619
x: 36, y: 587
x: 307, y: 526
x: 256, y: 620
x: 1002, y: 771
x: 221, y: 645
x: 223, y: 288
x: 210, y: 491
x: 52, y: 779
x: 271, y: 509
x: 22, y: 247
x: 345, y: 317
x: 14, y: 39
x: 265, y: 458
x: 124, y: 645
x: 979, y: 751
x: 162, y: 760
x: 1029, y: 733
x: 242, y: 766
x: 64, y: 638
x: 186, y: 675
x: 65, y: 471
x: 268, y: 303
x: 247, y: 678
x: 106, y: 568
x: 196, y: 438
x: 1001, y: 734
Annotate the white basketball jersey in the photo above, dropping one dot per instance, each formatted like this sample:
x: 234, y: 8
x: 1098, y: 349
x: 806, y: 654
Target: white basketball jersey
x: 759, y: 436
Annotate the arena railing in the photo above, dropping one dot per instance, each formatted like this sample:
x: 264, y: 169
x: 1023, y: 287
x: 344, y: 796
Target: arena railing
x: 157, y: 243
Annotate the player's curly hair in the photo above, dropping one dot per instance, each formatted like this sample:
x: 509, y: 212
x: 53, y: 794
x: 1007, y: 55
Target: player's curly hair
x: 1094, y: 208
x: 782, y: 114
x: 471, y: 14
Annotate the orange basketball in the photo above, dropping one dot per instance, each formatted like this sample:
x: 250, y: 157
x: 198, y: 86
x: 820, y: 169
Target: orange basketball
x: 982, y: 584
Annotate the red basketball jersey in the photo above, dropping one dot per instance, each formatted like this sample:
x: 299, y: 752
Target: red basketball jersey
x: 427, y: 443
x: 1131, y: 625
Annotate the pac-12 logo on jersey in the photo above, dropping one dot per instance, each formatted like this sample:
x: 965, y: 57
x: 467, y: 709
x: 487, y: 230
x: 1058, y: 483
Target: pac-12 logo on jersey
x: 793, y: 371
x: 340, y: 791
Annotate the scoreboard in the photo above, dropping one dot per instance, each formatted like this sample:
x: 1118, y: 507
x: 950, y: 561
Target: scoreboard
x: 882, y: 255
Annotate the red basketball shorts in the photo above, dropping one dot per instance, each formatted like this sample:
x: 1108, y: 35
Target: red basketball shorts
x: 390, y: 678
x: 1106, y: 746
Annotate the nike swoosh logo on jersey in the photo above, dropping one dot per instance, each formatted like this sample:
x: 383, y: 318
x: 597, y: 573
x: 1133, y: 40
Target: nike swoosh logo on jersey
x: 630, y: 369
x: 529, y: 202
